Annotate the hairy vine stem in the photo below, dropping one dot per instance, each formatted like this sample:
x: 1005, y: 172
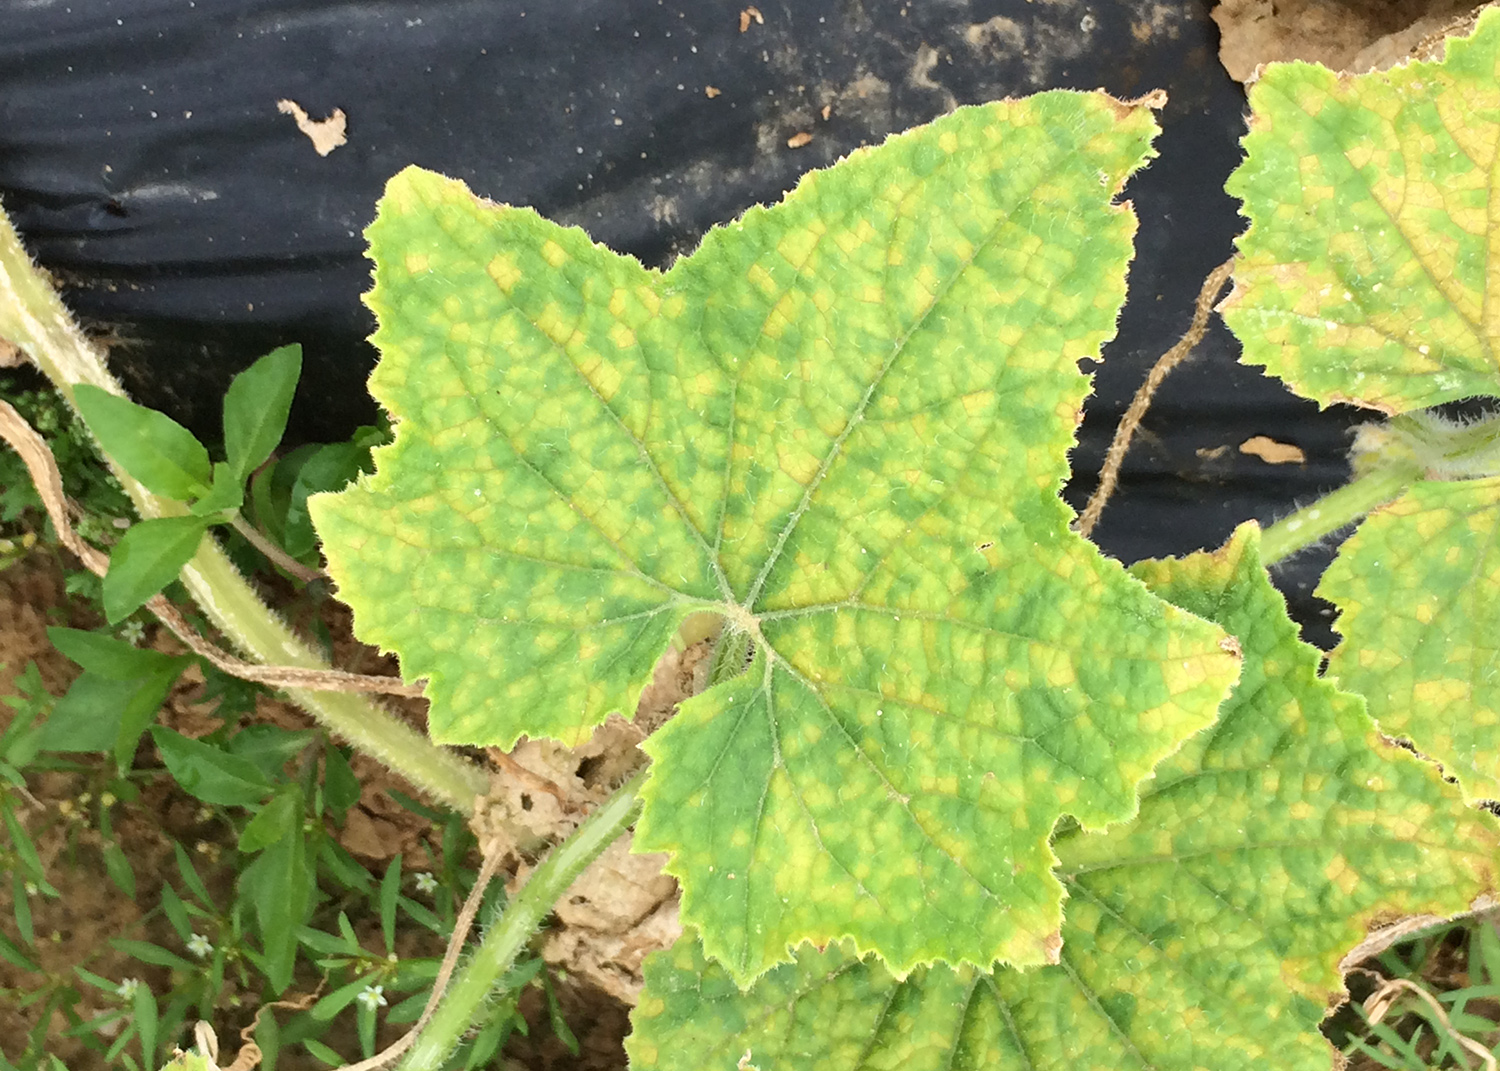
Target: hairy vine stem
x: 34, y: 320
x: 1315, y: 522
x: 48, y: 482
x: 509, y: 934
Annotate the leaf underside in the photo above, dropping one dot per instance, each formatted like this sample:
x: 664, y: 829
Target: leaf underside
x: 842, y: 423
x: 1206, y: 933
x: 1367, y: 275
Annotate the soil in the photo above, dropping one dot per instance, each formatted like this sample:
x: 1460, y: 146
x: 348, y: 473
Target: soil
x: 617, y: 912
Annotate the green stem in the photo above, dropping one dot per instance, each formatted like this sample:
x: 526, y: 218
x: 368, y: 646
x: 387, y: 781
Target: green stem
x: 274, y: 554
x: 729, y: 656
x: 34, y: 318
x: 468, y: 992
x: 1381, y: 484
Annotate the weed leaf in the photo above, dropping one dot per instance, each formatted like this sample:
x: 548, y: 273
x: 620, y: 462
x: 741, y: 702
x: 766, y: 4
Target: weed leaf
x: 279, y: 884
x: 226, y: 493
x: 210, y: 773
x: 1206, y: 933
x: 147, y: 558
x: 1364, y: 274
x: 256, y: 408
x: 281, y: 815
x: 152, y: 447
x: 842, y: 425
x: 108, y: 657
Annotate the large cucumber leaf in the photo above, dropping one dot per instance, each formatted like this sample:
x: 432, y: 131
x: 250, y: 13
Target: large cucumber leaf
x: 1366, y: 274
x: 842, y: 424
x: 1369, y: 274
x: 1205, y: 934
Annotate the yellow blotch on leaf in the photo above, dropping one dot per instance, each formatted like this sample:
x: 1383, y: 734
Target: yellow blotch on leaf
x: 799, y: 464
x: 797, y: 246
x: 603, y: 376
x: 761, y: 279
x: 417, y: 263
x: 622, y: 336
x: 1343, y: 876
x: 1439, y: 694
x: 502, y: 268
x: 554, y: 254
x: 554, y: 324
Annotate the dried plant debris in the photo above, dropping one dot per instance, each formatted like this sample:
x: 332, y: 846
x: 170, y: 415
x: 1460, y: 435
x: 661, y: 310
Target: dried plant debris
x: 620, y: 909
x: 1344, y: 35
x: 325, y: 134
x: 1272, y: 452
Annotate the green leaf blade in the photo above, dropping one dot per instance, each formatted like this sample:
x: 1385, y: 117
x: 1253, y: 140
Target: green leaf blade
x: 147, y: 558
x: 256, y: 407
x: 1414, y: 587
x: 1206, y: 933
x: 209, y: 773
x: 842, y: 425
x: 151, y: 446
x: 1365, y: 275
x: 227, y: 492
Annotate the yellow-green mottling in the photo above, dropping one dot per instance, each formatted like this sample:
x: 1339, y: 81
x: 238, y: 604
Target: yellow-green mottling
x: 1367, y: 274
x: 1416, y: 590
x: 1205, y: 934
x: 842, y: 423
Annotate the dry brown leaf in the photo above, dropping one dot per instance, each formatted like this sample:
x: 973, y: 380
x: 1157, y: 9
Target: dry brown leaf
x: 618, y: 911
x: 748, y: 14
x: 617, y: 890
x: 710, y: 92
x: 1272, y: 452
x: 325, y: 134
x: 799, y: 139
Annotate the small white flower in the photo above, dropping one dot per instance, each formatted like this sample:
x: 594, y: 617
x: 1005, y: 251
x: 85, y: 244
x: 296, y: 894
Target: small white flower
x: 133, y: 632
x: 126, y: 990
x: 199, y: 945
x: 373, y: 997
x: 31, y: 888
x: 426, y: 883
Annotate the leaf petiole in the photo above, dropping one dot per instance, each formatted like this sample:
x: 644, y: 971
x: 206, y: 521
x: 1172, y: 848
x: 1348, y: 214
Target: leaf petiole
x: 1315, y: 522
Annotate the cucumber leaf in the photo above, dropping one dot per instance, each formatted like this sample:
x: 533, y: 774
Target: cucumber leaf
x: 1416, y: 589
x: 1206, y: 933
x: 841, y: 424
x: 1366, y: 275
